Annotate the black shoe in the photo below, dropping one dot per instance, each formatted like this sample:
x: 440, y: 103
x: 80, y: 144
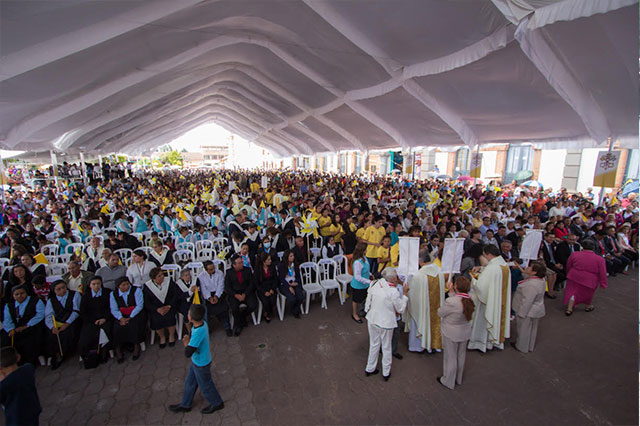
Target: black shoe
x: 386, y: 378
x: 163, y: 345
x: 359, y: 320
x: 211, y: 409
x: 376, y: 371
x: 135, y: 357
x: 55, y: 364
x: 229, y: 332
x: 177, y: 408
x: 550, y: 296
x: 297, y: 316
x: 238, y: 331
x: 120, y: 360
x: 172, y: 344
x: 397, y: 356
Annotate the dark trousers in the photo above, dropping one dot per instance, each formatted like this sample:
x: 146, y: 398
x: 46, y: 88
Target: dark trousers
x: 373, y: 265
x: 268, y: 302
x: 294, y: 300
x: 221, y: 311
x: 615, y: 265
x: 240, y: 314
x: 200, y: 377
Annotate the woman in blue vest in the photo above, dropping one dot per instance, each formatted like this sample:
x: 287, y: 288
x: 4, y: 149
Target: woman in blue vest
x: 60, y: 315
x: 361, y: 280
x: 23, y: 324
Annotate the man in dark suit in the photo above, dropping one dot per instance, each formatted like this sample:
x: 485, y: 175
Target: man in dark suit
x: 238, y: 285
x: 611, y: 245
x: 614, y: 265
x: 300, y: 251
x: 510, y: 255
x: 516, y: 237
x: 551, y: 257
x: 566, y: 248
x: 501, y: 235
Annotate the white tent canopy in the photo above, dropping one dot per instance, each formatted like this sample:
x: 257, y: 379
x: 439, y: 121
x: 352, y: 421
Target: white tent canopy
x: 300, y: 77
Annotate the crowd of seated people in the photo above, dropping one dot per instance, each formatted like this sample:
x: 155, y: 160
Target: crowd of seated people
x: 101, y: 268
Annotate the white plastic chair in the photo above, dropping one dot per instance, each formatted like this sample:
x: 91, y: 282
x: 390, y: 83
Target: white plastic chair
x: 57, y: 269
x: 219, y: 244
x: 110, y: 229
x: 146, y: 249
x: 218, y: 262
x: 203, y: 244
x: 183, y: 256
x: 4, y: 262
x: 101, y: 238
x: 50, y: 250
x: 139, y: 236
x: 342, y: 273
x: 125, y: 255
x: 310, y: 276
x: 186, y: 246
x: 281, y: 301
x: 328, y: 281
x: 146, y: 236
x: 73, y: 247
x: 196, y: 268
x: 64, y: 258
x: 172, y: 270
x: 315, y: 252
x: 53, y: 278
x: 206, y: 254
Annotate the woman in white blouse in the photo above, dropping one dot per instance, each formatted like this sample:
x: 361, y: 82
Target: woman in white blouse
x: 138, y: 272
x: 625, y: 245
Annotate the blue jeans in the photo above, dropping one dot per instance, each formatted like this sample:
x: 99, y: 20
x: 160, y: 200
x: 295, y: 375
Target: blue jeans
x: 200, y: 377
x: 373, y: 265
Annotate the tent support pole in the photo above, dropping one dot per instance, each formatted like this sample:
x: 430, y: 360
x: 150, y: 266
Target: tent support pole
x: 610, y: 140
x: 54, y: 166
x: 475, y: 178
x: 83, y: 167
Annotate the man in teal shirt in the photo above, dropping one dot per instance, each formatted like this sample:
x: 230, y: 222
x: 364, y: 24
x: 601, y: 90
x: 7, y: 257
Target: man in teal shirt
x: 197, y: 348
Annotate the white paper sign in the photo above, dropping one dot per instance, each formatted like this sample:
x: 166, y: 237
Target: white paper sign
x: 452, y: 255
x: 408, y: 258
x: 265, y: 182
x: 531, y: 244
x: 232, y: 186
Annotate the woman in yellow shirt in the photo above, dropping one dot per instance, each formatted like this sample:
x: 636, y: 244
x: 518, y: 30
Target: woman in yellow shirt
x: 336, y: 228
x: 384, y: 254
x: 324, y: 224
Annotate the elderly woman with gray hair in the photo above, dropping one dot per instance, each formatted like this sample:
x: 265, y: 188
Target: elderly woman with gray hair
x: 382, y: 304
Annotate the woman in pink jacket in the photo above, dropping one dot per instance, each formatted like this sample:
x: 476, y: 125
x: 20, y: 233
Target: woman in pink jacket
x: 585, y: 272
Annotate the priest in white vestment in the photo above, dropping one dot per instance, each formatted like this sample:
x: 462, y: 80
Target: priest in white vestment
x: 425, y: 298
x: 491, y: 293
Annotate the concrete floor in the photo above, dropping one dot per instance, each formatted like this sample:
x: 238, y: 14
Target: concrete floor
x: 311, y: 371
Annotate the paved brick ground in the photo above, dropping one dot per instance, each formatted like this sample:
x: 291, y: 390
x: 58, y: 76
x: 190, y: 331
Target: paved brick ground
x: 310, y: 371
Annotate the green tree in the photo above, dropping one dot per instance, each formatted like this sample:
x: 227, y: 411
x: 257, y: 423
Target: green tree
x: 172, y: 158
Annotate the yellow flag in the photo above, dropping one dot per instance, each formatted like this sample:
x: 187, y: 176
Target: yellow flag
x: 105, y: 209
x: 56, y: 324
x: 262, y: 206
x: 41, y: 258
x: 196, y: 297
